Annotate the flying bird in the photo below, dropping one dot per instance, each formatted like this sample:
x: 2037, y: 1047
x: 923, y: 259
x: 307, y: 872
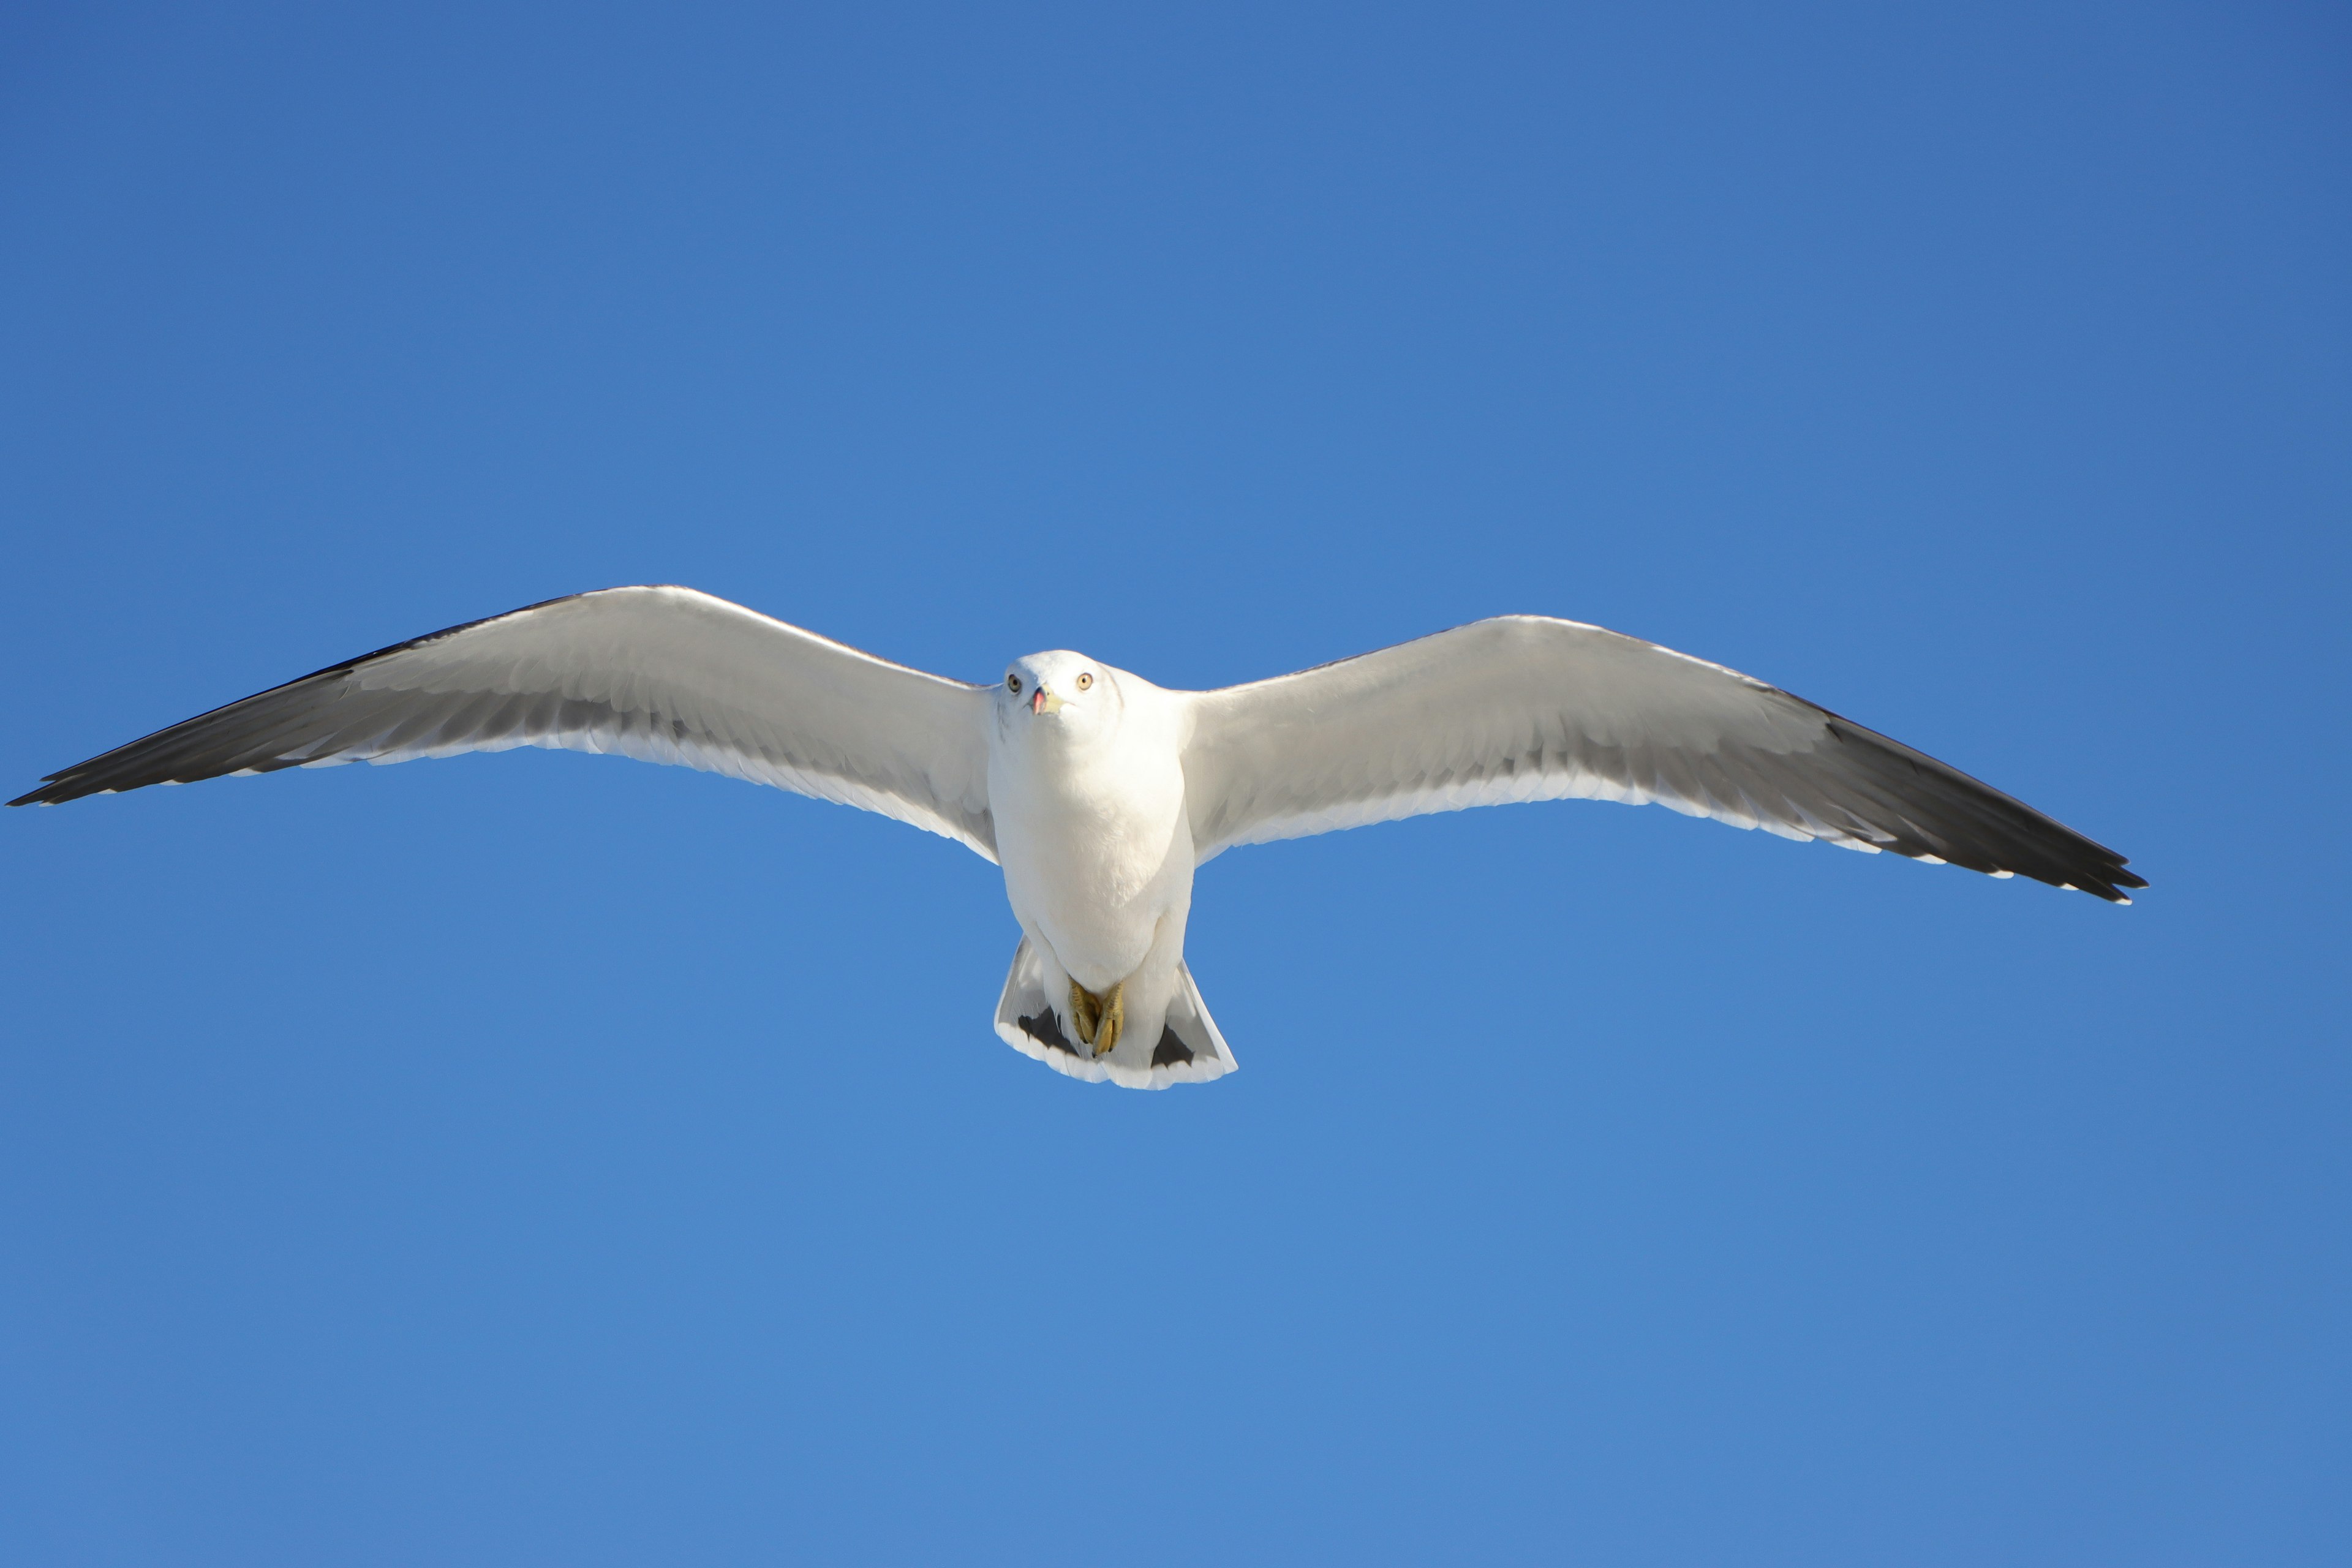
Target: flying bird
x: 1098, y: 793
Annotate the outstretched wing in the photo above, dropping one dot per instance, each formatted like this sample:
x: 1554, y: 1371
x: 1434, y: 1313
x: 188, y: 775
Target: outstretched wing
x: 666, y: 675
x: 1526, y: 708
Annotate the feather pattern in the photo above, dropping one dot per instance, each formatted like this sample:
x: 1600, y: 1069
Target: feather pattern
x: 1523, y: 708
x: 662, y: 674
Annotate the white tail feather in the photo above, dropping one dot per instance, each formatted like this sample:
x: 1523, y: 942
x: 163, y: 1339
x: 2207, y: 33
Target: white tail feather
x: 1188, y: 1049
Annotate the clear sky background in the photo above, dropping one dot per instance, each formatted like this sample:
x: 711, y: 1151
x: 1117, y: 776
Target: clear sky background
x: 541, y: 1159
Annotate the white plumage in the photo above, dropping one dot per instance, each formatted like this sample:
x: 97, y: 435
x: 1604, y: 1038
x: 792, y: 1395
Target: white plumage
x: 1098, y: 793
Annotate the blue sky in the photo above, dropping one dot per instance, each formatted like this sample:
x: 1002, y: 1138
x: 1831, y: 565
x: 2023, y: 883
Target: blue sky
x: 541, y: 1159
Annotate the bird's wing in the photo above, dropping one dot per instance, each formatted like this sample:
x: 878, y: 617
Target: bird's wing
x: 1526, y: 708
x: 667, y: 675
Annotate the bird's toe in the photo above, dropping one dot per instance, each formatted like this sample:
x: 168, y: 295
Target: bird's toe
x: 1114, y: 1018
x: 1086, y: 1013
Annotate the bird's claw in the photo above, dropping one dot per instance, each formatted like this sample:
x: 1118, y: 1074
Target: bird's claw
x: 1098, y: 1019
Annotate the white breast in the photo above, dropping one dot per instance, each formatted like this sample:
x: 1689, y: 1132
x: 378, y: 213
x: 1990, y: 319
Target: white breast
x: 1093, y: 835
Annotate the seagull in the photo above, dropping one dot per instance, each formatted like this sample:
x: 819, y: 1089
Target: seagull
x: 1099, y: 793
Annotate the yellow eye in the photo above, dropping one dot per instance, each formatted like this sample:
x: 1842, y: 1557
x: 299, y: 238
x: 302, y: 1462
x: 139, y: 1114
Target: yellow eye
x: 1012, y: 684
x: 1084, y: 682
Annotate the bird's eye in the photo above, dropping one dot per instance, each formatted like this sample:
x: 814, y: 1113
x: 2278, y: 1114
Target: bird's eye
x: 1084, y: 682
x: 1012, y: 684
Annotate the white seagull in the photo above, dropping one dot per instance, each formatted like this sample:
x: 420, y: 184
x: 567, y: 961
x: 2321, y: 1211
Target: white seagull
x: 1098, y: 793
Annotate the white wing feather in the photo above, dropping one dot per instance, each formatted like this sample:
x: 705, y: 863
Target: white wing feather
x: 663, y: 674
x: 1525, y: 708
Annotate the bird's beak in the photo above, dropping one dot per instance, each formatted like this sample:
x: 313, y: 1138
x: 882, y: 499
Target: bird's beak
x: 1045, y: 701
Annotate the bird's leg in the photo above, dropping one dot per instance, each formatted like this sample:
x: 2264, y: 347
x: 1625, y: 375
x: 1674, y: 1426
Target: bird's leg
x: 1085, y: 1011
x: 1098, y: 1019
x: 1114, y: 1017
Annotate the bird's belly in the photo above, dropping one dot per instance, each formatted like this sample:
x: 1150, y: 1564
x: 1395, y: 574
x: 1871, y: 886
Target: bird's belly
x: 1095, y: 884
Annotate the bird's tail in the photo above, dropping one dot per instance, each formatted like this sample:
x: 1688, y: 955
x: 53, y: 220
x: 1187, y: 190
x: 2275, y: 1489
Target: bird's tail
x: 1188, y: 1049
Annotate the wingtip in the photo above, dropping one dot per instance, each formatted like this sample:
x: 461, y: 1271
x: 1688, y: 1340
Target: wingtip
x: 2113, y: 889
x: 53, y: 789
x: 57, y: 788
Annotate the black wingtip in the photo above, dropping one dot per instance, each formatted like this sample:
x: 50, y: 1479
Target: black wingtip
x: 65, y: 784
x: 1948, y: 815
x: 2109, y: 882
x: 128, y: 767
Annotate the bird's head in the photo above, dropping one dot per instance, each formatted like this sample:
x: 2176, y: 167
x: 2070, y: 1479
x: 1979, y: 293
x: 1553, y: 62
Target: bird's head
x: 1061, y: 694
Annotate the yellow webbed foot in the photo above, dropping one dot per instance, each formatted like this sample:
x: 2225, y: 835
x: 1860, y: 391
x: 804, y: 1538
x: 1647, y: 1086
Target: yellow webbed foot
x: 1114, y: 1018
x: 1098, y: 1019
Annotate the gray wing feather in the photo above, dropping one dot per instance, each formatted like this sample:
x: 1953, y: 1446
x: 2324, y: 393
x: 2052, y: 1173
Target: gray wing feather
x: 663, y: 674
x: 1525, y: 708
